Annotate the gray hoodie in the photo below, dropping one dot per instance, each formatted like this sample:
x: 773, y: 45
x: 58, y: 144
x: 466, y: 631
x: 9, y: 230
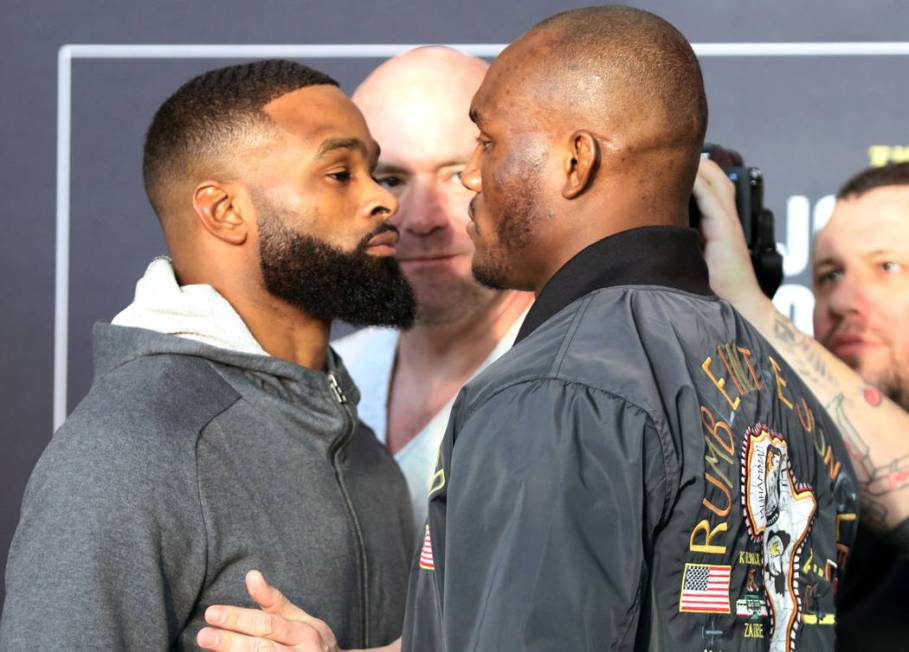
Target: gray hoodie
x: 187, y: 465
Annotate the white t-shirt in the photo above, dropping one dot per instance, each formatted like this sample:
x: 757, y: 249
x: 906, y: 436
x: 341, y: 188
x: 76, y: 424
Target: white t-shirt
x: 369, y: 356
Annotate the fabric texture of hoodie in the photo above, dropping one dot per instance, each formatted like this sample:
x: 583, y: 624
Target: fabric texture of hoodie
x: 194, y: 458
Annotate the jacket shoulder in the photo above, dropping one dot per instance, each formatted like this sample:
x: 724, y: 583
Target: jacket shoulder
x: 157, y: 396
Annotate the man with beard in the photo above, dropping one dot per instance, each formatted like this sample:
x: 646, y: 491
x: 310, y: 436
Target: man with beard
x: 416, y: 107
x: 861, y: 290
x: 221, y: 433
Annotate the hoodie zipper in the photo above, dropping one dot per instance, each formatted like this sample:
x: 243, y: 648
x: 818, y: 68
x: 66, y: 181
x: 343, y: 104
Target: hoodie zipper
x: 335, y: 453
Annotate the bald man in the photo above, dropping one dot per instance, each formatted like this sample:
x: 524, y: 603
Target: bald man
x: 640, y: 471
x: 416, y: 106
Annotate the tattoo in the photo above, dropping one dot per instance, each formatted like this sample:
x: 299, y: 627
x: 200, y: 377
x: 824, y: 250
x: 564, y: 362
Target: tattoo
x: 872, y: 396
x: 881, y: 479
x: 800, y: 352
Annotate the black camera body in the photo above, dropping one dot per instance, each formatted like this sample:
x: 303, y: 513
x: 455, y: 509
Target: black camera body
x: 757, y: 221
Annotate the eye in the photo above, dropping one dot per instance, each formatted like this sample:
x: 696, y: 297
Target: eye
x: 455, y: 177
x: 484, y: 143
x: 389, y: 180
x: 342, y: 176
x: 824, y: 277
x: 891, y: 266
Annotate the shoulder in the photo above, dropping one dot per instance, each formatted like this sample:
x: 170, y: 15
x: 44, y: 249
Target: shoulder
x: 610, y: 340
x: 164, y: 395
x: 140, y: 421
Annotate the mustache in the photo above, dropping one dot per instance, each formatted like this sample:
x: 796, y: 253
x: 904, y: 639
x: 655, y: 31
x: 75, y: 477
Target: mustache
x: 382, y: 228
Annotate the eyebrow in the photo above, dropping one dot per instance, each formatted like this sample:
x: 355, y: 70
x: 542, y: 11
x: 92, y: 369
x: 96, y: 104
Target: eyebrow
x: 333, y: 144
x: 826, y: 260
x: 386, y: 168
x: 832, y: 260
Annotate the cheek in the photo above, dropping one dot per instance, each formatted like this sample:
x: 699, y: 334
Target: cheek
x: 899, y: 318
x: 454, y: 204
x: 821, y: 320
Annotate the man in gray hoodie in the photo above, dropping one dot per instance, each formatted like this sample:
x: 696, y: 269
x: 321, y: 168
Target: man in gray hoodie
x: 221, y: 432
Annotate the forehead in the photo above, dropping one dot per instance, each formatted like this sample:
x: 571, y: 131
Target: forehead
x: 877, y: 220
x: 518, y: 95
x: 314, y: 113
x: 485, y: 105
x: 422, y: 125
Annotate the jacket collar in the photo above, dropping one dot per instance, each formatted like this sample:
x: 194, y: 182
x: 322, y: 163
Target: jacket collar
x: 649, y: 255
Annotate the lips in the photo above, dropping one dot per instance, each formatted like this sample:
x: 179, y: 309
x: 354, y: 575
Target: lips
x: 388, y: 238
x: 849, y: 346
x: 422, y: 258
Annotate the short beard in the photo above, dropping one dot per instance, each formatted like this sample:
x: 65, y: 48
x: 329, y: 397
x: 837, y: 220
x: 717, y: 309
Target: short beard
x: 514, y: 233
x: 327, y: 283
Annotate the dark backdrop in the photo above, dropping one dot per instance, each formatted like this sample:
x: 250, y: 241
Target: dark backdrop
x: 808, y: 121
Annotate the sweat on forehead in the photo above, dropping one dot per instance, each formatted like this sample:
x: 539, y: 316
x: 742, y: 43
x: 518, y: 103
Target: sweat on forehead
x: 604, y: 64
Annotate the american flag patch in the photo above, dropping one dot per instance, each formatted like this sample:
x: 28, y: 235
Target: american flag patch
x: 426, y: 552
x: 705, y: 589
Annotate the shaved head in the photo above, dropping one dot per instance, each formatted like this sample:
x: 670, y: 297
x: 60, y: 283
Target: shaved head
x: 620, y: 72
x: 599, y: 51
x: 424, y: 86
x: 591, y: 123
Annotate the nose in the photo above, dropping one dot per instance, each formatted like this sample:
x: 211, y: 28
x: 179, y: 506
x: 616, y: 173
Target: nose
x: 849, y: 296
x: 422, y: 207
x: 381, y: 204
x: 470, y: 177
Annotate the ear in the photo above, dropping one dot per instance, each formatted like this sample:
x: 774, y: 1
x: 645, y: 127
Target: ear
x: 218, y: 209
x: 581, y: 163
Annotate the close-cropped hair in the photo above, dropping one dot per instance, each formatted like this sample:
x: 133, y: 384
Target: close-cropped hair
x: 892, y: 174
x: 204, y: 114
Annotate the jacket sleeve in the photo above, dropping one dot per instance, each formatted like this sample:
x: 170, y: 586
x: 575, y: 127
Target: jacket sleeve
x: 556, y: 489
x: 110, y: 548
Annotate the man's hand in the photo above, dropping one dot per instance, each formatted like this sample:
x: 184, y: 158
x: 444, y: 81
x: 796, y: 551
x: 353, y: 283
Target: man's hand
x: 731, y: 273
x: 279, y: 625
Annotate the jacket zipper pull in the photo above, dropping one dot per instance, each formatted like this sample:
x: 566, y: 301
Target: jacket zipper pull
x: 336, y: 388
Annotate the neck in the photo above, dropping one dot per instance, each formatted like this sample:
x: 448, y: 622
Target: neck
x: 284, y: 331
x: 434, y: 362
x: 584, y: 228
x: 465, y: 342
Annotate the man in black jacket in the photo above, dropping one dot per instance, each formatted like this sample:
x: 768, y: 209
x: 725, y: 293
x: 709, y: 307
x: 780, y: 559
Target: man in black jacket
x: 641, y: 470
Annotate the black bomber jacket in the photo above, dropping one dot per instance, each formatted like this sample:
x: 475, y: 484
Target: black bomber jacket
x: 642, y: 471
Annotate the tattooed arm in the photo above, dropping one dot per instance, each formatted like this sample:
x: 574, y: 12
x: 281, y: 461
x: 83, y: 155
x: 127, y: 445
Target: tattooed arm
x: 875, y: 430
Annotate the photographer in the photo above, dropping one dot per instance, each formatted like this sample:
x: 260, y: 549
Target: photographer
x: 874, y: 427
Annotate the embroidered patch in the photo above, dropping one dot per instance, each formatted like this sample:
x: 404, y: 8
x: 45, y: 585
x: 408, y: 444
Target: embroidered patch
x: 752, y: 605
x: 705, y: 589
x: 779, y: 512
x: 812, y: 604
x: 426, y: 562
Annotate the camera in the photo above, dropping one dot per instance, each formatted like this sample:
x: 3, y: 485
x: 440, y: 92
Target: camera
x: 757, y: 221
